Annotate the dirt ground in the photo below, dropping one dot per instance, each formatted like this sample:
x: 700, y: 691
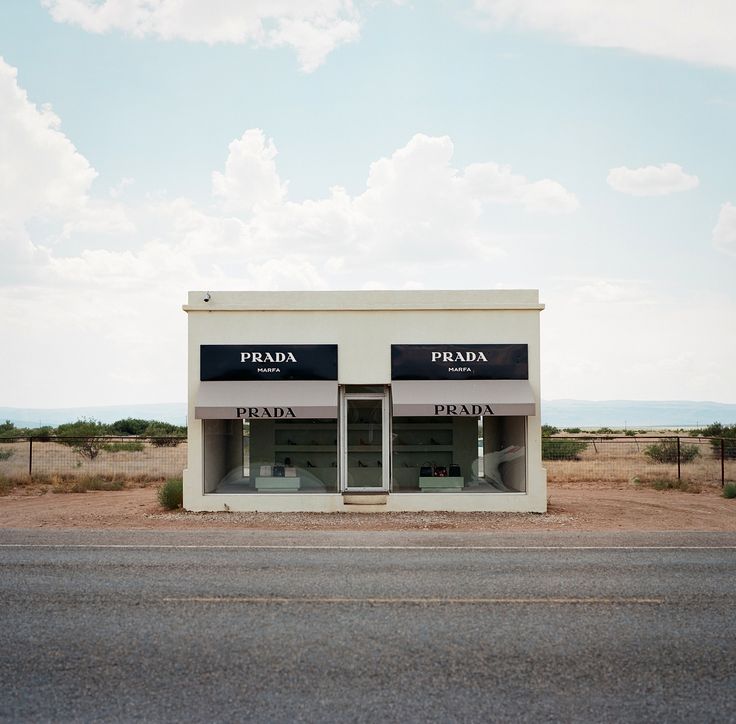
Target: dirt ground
x: 578, y: 506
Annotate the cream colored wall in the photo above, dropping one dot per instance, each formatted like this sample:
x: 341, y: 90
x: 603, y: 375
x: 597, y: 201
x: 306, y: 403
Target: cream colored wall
x: 364, y: 327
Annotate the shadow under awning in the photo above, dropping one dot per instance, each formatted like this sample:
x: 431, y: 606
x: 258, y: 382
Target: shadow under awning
x: 462, y: 398
x: 280, y: 400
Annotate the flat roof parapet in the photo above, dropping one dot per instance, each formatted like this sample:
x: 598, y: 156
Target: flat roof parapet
x: 235, y: 301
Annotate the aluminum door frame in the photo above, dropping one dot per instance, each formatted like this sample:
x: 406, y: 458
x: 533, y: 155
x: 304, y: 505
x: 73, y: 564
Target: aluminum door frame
x: 385, y: 440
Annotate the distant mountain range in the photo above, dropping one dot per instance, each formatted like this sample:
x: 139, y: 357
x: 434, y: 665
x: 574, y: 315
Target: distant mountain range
x: 617, y: 414
x: 626, y: 414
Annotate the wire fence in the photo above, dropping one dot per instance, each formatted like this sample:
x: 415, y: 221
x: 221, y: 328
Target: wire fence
x: 697, y: 460
x: 109, y: 458
x: 568, y: 459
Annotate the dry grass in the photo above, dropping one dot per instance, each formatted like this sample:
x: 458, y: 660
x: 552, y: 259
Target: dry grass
x: 50, y: 458
x: 72, y: 483
x: 624, y: 461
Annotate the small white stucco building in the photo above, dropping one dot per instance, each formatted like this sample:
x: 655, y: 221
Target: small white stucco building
x: 387, y: 400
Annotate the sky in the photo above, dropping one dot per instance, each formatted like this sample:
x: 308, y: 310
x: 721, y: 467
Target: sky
x: 580, y: 147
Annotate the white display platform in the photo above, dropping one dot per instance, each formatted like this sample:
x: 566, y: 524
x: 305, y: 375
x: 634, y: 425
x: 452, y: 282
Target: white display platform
x: 444, y: 484
x: 278, y: 484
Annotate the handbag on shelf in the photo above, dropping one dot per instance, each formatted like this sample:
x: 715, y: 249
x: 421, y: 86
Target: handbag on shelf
x: 426, y: 470
x: 265, y: 471
x: 454, y: 471
x: 278, y: 471
x: 289, y: 472
x: 440, y: 471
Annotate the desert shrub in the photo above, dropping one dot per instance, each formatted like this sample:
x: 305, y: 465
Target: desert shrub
x: 8, y: 429
x: 683, y: 486
x: 605, y: 431
x: 114, y: 447
x: 666, y: 452
x: 630, y: 433
x: 572, y: 430
x: 170, y: 441
x: 83, y: 437
x: 171, y: 494
x: 717, y: 431
x: 6, y: 454
x: 562, y: 448
x: 729, y: 490
x: 164, y: 434
x: 548, y: 430
x: 82, y: 485
x: 129, y: 426
x: 6, y: 485
x: 41, y: 434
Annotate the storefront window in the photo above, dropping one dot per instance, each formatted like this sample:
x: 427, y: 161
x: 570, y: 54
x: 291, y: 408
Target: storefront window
x: 270, y: 456
x: 459, y: 454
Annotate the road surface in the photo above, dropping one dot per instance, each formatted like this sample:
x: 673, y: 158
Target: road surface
x: 366, y: 627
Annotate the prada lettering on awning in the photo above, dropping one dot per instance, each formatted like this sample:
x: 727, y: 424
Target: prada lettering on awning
x: 462, y: 398
x: 266, y: 400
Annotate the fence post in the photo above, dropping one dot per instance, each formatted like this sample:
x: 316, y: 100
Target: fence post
x: 678, y: 458
x: 723, y: 466
x: 30, y: 457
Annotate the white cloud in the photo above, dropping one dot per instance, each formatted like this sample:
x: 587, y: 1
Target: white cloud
x: 313, y: 28
x: 667, y: 178
x: 608, y: 339
x: 417, y: 202
x: 41, y: 172
x: 724, y: 233
x: 250, y: 178
x: 498, y: 184
x: 418, y: 221
x: 417, y: 208
x: 699, y: 32
x: 610, y: 291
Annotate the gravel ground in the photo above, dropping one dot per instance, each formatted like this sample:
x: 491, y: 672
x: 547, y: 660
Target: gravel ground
x: 593, y: 507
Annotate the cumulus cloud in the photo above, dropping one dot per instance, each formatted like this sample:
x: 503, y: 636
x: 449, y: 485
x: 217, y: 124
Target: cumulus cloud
x: 495, y: 183
x: 724, y: 233
x: 698, y: 32
x: 250, y: 178
x: 420, y: 219
x: 41, y: 172
x: 313, y: 28
x: 417, y: 208
x: 667, y: 178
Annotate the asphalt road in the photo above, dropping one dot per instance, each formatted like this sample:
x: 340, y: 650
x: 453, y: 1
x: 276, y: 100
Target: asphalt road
x: 412, y: 627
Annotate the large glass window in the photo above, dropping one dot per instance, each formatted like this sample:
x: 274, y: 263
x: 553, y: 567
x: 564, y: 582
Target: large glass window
x: 270, y: 456
x: 459, y: 454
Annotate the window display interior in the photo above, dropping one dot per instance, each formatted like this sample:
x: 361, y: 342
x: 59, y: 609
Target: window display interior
x: 271, y: 456
x: 456, y: 454
x: 428, y: 454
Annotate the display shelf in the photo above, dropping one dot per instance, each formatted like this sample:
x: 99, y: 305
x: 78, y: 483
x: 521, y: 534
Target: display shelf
x: 423, y: 448
x: 305, y: 448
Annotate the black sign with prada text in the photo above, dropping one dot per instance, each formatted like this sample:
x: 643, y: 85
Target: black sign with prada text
x: 459, y: 362
x: 220, y: 362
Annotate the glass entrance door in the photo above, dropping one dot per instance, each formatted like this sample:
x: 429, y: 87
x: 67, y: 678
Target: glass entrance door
x: 364, y: 431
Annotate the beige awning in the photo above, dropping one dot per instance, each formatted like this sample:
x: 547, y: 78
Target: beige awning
x: 462, y: 398
x: 277, y: 400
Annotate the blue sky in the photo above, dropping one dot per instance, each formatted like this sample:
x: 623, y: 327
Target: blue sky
x: 582, y: 148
